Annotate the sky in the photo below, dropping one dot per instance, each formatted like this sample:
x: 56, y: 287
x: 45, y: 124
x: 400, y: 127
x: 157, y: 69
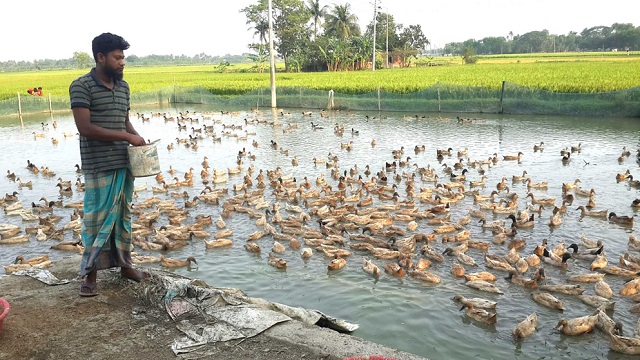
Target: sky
x: 39, y: 29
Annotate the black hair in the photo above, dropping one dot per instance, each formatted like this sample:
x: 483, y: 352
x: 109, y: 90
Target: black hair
x: 107, y: 42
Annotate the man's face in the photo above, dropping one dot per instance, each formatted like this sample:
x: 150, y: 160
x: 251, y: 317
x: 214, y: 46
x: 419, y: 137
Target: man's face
x: 113, y: 64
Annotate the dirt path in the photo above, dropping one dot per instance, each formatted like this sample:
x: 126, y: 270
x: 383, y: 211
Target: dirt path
x: 53, y: 322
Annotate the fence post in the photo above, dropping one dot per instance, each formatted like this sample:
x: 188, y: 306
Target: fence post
x: 438, y: 96
x: 19, y: 105
x: 20, y: 110
x: 331, y: 103
x: 50, y: 108
x: 378, y: 97
x: 502, y: 96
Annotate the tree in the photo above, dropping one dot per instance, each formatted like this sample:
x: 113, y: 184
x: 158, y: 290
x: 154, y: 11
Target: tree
x: 290, y: 19
x: 317, y: 14
x: 413, y: 37
x: 82, y: 59
x: 341, y: 23
x: 381, y: 31
x: 469, y: 56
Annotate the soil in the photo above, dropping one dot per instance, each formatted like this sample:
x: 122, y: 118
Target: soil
x: 53, y: 322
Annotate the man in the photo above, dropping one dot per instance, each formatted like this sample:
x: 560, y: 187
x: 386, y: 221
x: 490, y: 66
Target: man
x: 100, y: 105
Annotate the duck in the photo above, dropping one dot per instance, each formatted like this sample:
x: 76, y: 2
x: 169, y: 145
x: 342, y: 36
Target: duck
x: 577, y: 326
x: 623, y: 220
x: 547, y: 300
x: 482, y: 275
x: 543, y: 201
x: 538, y: 147
x: 394, y: 269
x: 483, y: 286
x: 337, y: 263
x: 592, y: 213
x: 555, y: 260
x: 623, y: 176
x: 577, y: 148
x: 251, y: 246
x: 457, y: 270
x: 21, y: 184
x: 538, y: 185
x: 277, y: 262
x: 622, y: 344
x: 425, y: 276
x: 599, y: 262
x: 370, y: 268
x: 556, y: 218
x: 526, y: 327
x: 480, y: 315
x: 144, y: 259
x: 563, y: 288
x: 478, y: 303
x: 522, y: 224
x: 173, y: 263
x: 516, y: 178
x: 603, y: 289
x: 527, y: 283
x: 69, y: 246
x: 634, y: 242
x: 11, y: 197
x: 513, y: 157
x: 586, y: 278
x: 586, y: 253
x: 498, y: 263
x: 597, y: 301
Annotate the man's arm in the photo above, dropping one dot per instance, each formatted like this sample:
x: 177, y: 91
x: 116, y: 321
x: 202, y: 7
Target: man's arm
x: 82, y: 117
x: 129, y: 126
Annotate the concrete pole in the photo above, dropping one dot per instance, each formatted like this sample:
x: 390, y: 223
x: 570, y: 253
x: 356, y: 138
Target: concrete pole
x: 387, y: 38
x: 272, y: 56
x: 375, y: 15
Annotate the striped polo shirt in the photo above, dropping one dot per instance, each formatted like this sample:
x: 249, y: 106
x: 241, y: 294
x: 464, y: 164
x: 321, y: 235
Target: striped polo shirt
x: 109, y: 109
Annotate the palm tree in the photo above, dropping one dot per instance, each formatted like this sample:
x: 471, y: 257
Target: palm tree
x: 341, y: 23
x: 261, y: 29
x: 317, y: 13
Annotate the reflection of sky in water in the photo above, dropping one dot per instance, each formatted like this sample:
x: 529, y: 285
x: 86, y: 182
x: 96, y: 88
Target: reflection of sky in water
x: 403, y: 313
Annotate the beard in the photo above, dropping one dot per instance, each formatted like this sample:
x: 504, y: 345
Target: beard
x: 114, y: 74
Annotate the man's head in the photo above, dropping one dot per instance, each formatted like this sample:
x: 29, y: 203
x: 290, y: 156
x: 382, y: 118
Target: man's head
x: 108, y: 52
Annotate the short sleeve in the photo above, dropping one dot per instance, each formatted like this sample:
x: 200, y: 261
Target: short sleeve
x: 79, y: 94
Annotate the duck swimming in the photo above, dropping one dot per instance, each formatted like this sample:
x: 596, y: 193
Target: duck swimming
x: 480, y: 315
x: 577, y: 326
x: 526, y: 327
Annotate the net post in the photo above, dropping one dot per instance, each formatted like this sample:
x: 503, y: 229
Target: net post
x: 502, y: 96
x: 378, y: 97
x: 438, y: 85
x: 20, y: 110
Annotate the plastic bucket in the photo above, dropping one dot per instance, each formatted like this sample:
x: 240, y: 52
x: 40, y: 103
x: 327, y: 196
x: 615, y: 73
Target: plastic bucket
x: 4, y: 311
x: 143, y: 160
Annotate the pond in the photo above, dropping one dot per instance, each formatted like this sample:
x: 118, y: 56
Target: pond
x: 402, y: 313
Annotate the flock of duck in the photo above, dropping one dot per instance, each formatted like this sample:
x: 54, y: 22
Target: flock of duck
x: 395, y: 218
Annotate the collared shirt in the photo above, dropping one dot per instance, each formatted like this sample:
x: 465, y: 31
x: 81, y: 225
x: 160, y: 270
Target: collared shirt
x: 109, y: 109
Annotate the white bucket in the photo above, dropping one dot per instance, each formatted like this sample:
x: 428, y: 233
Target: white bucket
x: 143, y: 160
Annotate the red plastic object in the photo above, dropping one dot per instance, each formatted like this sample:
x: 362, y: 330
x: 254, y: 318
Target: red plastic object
x: 4, y: 311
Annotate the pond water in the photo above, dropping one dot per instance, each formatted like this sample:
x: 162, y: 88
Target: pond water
x: 401, y: 313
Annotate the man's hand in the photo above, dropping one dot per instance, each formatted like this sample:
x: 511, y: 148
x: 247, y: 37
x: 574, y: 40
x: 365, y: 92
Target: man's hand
x: 136, y: 140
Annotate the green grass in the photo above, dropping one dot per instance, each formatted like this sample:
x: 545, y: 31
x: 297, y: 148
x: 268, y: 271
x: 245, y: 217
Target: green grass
x: 578, y: 73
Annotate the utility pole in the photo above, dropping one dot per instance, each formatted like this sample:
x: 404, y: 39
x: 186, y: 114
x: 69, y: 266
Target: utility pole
x: 375, y: 16
x: 272, y: 57
x: 387, y: 38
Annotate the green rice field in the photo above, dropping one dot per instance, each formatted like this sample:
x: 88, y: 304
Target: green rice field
x: 558, y: 73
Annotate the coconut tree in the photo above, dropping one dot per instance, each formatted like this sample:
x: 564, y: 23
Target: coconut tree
x: 341, y: 23
x: 317, y: 14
